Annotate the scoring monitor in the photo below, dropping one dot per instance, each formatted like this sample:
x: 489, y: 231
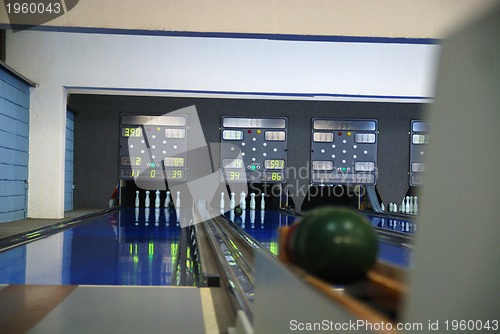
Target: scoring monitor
x: 419, y: 139
x: 344, y: 151
x: 254, y: 149
x: 153, y: 147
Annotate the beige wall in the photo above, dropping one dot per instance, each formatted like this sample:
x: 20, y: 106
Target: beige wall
x: 382, y: 18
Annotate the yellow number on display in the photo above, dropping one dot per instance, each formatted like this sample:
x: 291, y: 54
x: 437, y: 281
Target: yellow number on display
x: 276, y: 176
x: 234, y: 176
x: 177, y: 174
x: 152, y: 174
x: 179, y: 162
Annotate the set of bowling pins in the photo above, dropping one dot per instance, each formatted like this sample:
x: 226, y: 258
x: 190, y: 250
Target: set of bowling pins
x: 409, y: 205
x: 157, y: 202
x: 243, y: 201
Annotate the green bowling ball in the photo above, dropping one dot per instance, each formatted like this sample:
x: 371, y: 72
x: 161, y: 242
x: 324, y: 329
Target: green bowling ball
x: 338, y: 245
x: 238, y: 211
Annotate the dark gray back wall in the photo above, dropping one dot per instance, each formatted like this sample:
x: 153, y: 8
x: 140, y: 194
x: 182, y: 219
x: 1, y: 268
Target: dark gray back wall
x: 97, y: 135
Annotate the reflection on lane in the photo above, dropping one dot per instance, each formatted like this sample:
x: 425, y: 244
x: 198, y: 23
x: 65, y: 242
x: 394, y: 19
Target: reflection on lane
x: 126, y: 247
x: 263, y: 226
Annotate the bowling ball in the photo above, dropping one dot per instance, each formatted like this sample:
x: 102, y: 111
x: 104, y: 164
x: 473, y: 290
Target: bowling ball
x: 238, y: 211
x: 338, y: 245
x: 171, y: 205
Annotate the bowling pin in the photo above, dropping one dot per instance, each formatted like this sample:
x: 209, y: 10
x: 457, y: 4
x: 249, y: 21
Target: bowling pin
x: 382, y: 207
x: 147, y: 202
x: 410, y: 204
x: 137, y: 200
x: 391, y: 207
x: 232, y: 202
x: 178, y: 200
x: 403, y: 207
x: 157, y: 199
x: 415, y: 205
x: 167, y: 199
x: 262, y: 202
x: 395, y: 207
x: 222, y: 203
x: 243, y: 201
x: 252, y: 201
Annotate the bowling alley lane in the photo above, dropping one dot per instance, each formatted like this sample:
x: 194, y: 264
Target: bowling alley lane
x: 142, y: 246
x: 394, y: 233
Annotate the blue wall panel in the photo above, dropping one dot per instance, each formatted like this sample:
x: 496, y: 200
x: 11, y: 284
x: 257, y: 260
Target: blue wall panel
x: 68, y: 161
x: 14, y: 147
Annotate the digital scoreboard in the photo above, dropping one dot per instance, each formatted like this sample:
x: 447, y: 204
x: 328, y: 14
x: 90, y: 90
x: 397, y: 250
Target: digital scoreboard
x: 153, y: 147
x: 344, y: 151
x: 254, y: 149
x: 419, y: 139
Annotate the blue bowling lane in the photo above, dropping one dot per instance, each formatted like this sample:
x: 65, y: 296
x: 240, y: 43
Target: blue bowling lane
x: 125, y: 247
x: 263, y: 226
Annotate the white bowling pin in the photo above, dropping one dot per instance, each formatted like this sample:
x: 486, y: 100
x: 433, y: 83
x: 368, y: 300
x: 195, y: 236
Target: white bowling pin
x: 137, y: 200
x: 415, y: 205
x: 232, y: 203
x: 410, y: 204
x: 157, y: 199
x: 243, y: 201
x: 391, y: 207
x: 403, y: 207
x: 382, y: 207
x: 147, y: 202
x: 167, y: 199
x: 222, y: 203
x: 252, y: 201
x: 395, y: 207
x: 178, y: 200
x: 262, y: 202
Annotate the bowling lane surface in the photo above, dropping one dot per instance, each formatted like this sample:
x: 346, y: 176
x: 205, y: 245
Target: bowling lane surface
x: 126, y: 247
x: 394, y: 247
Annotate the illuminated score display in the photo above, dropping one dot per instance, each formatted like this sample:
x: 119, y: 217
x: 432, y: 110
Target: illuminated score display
x: 254, y: 149
x: 131, y: 132
x: 153, y: 148
x: 173, y: 162
x: 274, y: 164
